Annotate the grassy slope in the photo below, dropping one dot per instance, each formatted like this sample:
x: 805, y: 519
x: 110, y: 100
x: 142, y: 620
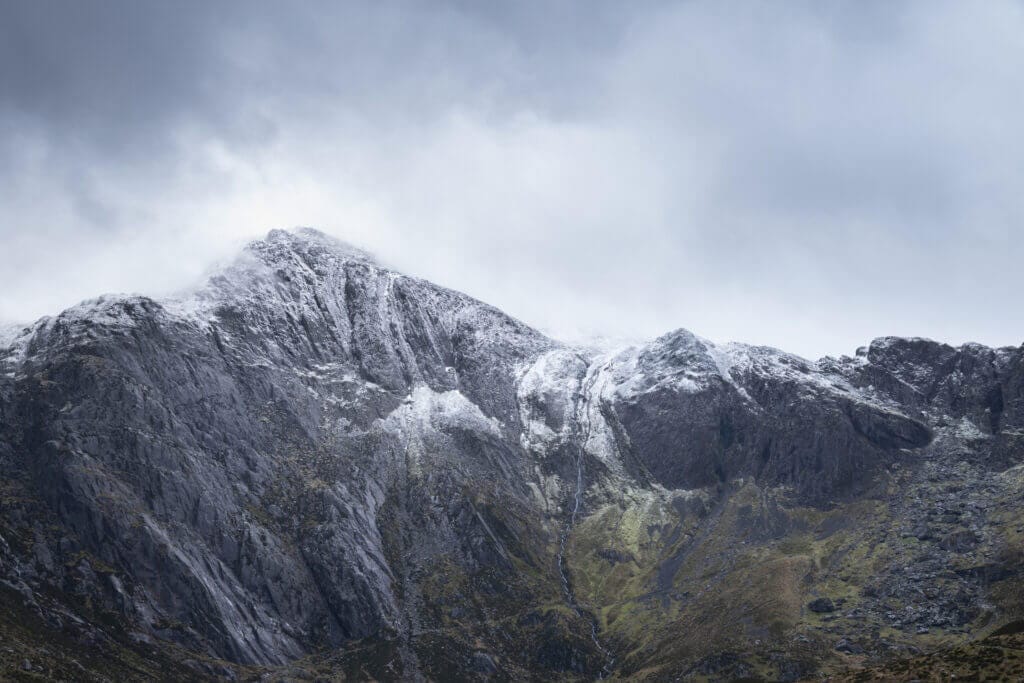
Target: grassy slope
x: 737, y: 606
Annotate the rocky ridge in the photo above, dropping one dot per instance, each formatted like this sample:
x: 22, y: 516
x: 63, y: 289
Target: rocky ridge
x: 314, y: 463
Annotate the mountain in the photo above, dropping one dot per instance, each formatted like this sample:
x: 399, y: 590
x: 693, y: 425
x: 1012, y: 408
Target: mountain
x: 316, y: 467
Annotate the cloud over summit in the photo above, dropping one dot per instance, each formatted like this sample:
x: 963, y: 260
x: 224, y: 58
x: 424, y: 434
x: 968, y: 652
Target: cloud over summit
x: 806, y: 175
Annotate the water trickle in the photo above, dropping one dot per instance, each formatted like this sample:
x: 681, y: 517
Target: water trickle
x: 583, y: 422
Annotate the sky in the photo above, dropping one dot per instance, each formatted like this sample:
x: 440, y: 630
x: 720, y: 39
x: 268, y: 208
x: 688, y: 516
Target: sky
x: 806, y: 175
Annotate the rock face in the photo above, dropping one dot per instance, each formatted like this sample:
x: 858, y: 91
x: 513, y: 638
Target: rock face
x: 315, y: 463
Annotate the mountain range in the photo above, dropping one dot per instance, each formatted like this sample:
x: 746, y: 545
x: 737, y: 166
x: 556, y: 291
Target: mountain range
x: 316, y: 468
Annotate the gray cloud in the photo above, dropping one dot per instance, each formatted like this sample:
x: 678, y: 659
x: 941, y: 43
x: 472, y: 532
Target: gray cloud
x: 806, y: 175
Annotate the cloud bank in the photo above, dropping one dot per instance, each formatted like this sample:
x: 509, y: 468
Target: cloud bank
x: 804, y: 175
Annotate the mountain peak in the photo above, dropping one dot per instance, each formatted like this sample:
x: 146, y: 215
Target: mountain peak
x: 306, y: 244
x: 285, y: 460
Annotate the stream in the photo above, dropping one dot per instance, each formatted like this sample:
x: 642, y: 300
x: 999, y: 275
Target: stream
x: 583, y: 420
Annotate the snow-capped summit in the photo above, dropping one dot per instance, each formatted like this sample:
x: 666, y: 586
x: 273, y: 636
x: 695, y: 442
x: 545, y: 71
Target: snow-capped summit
x: 312, y: 450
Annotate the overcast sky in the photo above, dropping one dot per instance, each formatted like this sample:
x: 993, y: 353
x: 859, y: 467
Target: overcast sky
x: 804, y: 175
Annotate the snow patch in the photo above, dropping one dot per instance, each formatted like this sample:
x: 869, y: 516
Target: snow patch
x: 425, y: 411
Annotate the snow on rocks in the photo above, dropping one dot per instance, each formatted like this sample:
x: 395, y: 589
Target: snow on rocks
x: 545, y: 394
x: 9, y: 332
x: 14, y: 343
x: 426, y: 411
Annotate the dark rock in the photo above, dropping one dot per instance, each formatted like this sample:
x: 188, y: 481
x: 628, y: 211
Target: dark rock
x: 960, y: 541
x: 821, y: 605
x: 726, y: 665
x: 614, y: 556
x: 482, y: 663
x: 848, y: 647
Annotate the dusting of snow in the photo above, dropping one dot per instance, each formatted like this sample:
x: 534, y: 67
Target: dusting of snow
x: 9, y: 332
x: 14, y: 341
x: 551, y: 380
x: 306, y: 276
x: 967, y: 430
x: 196, y: 307
x: 597, y: 391
x: 271, y: 272
x: 726, y: 357
x: 425, y: 411
x: 572, y: 392
x: 734, y: 360
x: 562, y: 397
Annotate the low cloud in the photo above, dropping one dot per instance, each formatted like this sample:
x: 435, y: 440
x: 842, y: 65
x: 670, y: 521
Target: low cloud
x: 807, y: 175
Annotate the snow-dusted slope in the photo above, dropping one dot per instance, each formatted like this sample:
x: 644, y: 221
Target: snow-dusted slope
x: 312, y: 448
